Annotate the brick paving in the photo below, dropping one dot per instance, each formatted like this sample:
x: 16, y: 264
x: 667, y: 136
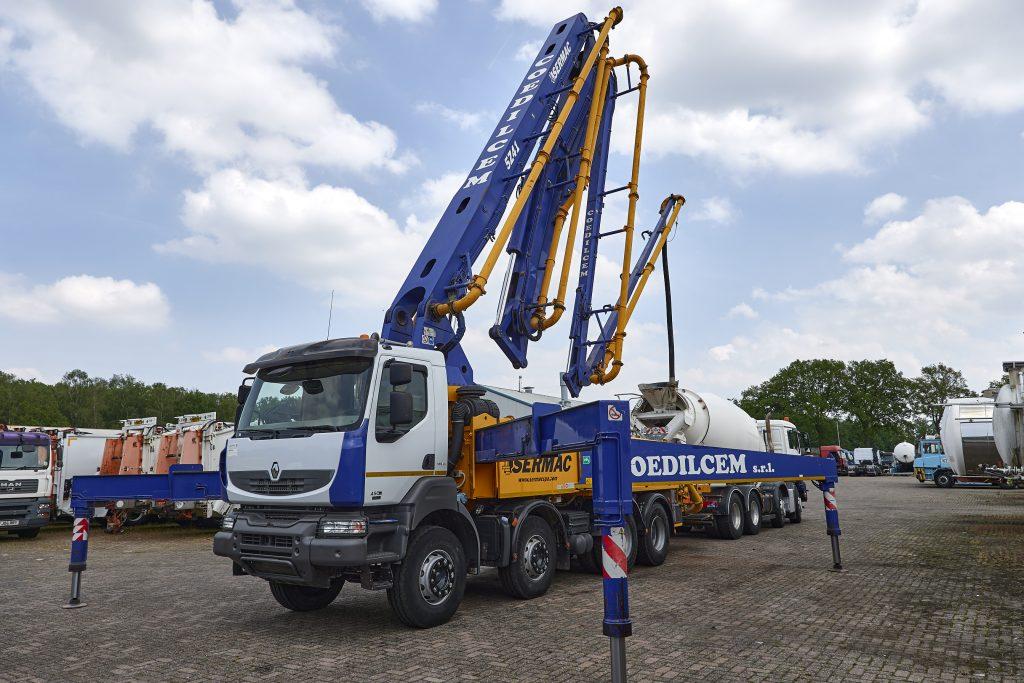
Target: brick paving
x: 933, y: 591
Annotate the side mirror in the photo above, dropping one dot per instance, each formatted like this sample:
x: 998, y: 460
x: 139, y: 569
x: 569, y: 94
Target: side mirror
x: 399, y: 373
x: 243, y: 393
x: 401, y: 408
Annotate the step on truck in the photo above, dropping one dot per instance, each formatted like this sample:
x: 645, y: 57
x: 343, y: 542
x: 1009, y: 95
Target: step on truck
x: 26, y: 482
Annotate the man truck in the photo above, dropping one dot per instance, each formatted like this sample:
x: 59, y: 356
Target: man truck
x: 26, y: 482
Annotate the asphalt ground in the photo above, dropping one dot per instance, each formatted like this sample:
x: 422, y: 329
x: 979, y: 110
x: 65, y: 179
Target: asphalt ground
x: 933, y: 590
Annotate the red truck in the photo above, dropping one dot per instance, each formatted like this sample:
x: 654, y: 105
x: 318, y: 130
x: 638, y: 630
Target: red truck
x: 840, y: 455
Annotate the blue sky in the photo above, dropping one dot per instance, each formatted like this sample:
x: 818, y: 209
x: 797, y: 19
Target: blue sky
x: 183, y: 185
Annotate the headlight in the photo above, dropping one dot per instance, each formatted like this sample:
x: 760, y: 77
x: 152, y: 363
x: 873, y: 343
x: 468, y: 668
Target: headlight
x: 44, y: 509
x: 342, y: 527
x: 227, y: 522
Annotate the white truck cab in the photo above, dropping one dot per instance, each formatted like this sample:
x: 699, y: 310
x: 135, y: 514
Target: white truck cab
x: 782, y: 436
x: 26, y: 482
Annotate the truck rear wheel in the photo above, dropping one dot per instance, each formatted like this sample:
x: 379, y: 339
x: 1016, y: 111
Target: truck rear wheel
x: 798, y: 513
x: 28, y: 533
x: 304, y: 598
x: 779, y: 518
x: 752, y: 520
x: 730, y: 525
x: 653, y: 546
x: 429, y: 583
x: 530, y: 574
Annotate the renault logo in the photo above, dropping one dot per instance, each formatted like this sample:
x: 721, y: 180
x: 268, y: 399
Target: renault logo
x: 275, y: 472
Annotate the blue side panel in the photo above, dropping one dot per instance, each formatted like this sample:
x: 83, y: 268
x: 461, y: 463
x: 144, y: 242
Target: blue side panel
x: 350, y: 481
x: 182, y: 483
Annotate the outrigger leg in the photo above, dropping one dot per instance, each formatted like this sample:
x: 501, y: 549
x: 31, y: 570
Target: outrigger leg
x: 828, y: 490
x: 79, y: 550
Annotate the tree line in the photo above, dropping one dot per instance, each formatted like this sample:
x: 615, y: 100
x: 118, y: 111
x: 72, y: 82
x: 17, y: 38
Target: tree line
x: 79, y: 400
x: 866, y: 403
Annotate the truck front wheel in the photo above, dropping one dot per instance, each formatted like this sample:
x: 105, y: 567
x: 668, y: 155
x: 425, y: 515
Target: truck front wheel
x: 430, y: 581
x: 529, y: 575
x: 730, y: 525
x: 304, y: 598
x: 944, y: 479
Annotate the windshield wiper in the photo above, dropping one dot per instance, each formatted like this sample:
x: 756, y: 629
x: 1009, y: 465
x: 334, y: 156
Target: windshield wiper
x: 310, y: 428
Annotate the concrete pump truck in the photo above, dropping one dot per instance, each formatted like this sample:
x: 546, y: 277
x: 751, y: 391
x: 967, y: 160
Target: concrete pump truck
x: 376, y: 460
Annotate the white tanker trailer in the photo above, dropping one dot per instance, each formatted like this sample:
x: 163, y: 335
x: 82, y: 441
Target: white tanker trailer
x: 967, y: 431
x: 1008, y: 419
x: 667, y: 412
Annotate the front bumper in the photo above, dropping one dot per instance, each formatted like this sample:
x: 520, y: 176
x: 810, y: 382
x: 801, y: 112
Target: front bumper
x: 20, y: 514
x: 290, y: 551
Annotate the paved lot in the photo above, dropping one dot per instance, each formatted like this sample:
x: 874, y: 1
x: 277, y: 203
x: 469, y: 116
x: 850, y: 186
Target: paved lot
x: 933, y: 591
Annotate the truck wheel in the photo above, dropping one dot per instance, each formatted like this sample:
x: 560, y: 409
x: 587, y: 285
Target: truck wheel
x: 632, y: 547
x: 304, y: 598
x: 730, y: 525
x: 798, y: 513
x: 779, y: 518
x: 752, y: 520
x: 944, y: 479
x: 28, y: 533
x: 653, y: 547
x: 429, y: 583
x: 530, y: 574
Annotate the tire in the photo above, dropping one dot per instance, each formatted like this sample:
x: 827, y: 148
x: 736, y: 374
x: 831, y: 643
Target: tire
x: 653, y: 546
x: 730, y: 525
x: 944, y: 479
x: 752, y: 518
x: 632, y: 541
x: 779, y: 518
x: 304, y: 598
x: 530, y: 574
x: 435, y: 554
x: 27, y: 533
x: 798, y: 513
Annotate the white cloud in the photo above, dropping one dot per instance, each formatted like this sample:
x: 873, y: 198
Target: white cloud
x: 431, y: 200
x: 742, y: 310
x: 237, y: 356
x: 945, y: 286
x: 715, y: 210
x: 465, y: 120
x: 723, y: 352
x: 413, y: 11
x: 323, y: 237
x: 527, y: 51
x: 99, y: 301
x: 25, y: 373
x: 806, y: 90
x: 218, y: 90
x: 884, y: 206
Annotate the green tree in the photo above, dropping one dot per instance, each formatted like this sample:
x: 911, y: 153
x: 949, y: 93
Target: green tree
x: 934, y: 386
x: 809, y: 392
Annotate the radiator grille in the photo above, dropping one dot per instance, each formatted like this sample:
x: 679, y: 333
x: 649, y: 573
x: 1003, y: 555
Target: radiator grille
x: 19, y: 485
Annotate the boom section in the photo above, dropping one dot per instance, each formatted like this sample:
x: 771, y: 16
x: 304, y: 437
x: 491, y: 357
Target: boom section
x: 542, y: 112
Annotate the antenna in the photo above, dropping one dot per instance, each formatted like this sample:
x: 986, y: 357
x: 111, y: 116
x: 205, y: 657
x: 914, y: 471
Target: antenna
x: 330, y: 314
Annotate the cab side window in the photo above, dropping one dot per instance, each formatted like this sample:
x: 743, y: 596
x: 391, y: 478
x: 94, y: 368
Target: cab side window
x: 386, y: 432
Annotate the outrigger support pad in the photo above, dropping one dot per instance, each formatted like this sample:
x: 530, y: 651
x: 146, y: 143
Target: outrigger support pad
x: 79, y: 550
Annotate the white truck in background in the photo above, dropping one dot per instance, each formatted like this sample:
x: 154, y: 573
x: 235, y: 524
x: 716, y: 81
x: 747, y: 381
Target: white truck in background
x: 26, y: 482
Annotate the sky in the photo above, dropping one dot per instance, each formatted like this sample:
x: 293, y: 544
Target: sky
x: 183, y: 184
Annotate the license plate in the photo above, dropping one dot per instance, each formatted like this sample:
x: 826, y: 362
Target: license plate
x: 8, y: 522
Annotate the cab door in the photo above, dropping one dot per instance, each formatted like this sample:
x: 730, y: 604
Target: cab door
x: 401, y: 438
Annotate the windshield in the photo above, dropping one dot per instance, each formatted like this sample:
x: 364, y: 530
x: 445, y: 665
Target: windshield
x: 327, y: 395
x: 932, y: 448
x: 15, y: 457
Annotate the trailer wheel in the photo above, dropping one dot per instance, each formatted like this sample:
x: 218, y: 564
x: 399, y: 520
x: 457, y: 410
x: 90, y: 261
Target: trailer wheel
x: 530, y: 574
x: 730, y: 525
x: 752, y: 519
x: 429, y: 583
x: 27, y: 533
x: 304, y: 598
x: 653, y: 547
x: 798, y: 513
x: 944, y: 479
